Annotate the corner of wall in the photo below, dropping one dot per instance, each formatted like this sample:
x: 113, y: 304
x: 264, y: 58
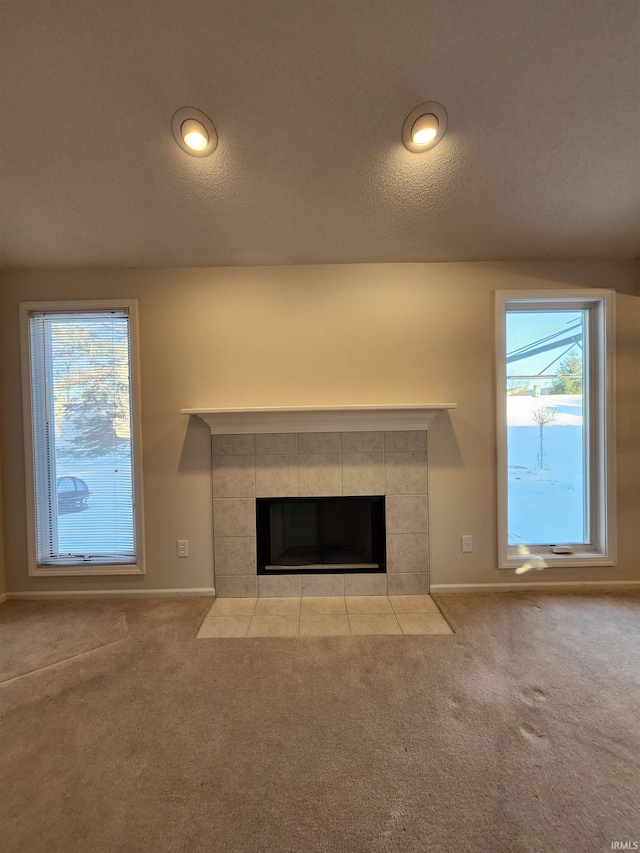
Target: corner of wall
x: 2, y: 572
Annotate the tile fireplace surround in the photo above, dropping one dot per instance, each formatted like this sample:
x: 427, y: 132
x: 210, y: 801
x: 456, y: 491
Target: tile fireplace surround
x: 320, y: 452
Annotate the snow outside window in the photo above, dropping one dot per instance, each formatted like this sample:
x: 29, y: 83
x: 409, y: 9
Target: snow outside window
x: 81, y: 420
x: 555, y: 427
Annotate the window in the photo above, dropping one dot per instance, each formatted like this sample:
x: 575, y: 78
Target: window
x: 82, y: 438
x: 556, y: 451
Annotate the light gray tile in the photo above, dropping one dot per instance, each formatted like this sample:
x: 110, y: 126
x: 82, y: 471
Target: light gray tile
x: 328, y: 605
x: 232, y: 445
x: 234, y: 517
x: 413, y: 604
x: 273, y: 626
x: 279, y: 585
x: 362, y: 442
x: 407, y: 552
x: 233, y: 607
x: 319, y: 473
x: 406, y: 514
x: 233, y: 476
x: 365, y: 584
x: 324, y: 626
x: 408, y: 584
x: 370, y: 624
x: 234, y: 555
x: 224, y: 626
x: 403, y: 441
x: 362, y: 473
x: 316, y: 585
x: 276, y: 444
x: 278, y: 606
x: 406, y: 473
x: 367, y: 604
x: 318, y: 442
x: 237, y: 587
x: 276, y: 476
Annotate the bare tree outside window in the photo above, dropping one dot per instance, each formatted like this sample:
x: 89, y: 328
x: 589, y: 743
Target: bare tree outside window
x: 542, y: 417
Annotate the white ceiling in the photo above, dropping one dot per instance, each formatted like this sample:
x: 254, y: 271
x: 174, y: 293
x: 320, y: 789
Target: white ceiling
x: 541, y: 158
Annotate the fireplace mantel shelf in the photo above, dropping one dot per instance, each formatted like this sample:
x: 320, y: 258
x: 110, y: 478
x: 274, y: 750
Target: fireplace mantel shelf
x: 319, y: 418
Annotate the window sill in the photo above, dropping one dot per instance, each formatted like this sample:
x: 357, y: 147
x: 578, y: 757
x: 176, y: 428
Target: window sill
x: 560, y: 561
x: 87, y: 570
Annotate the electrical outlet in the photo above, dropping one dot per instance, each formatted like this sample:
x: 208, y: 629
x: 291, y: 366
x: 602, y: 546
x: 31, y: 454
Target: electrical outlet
x: 466, y: 544
x: 183, y: 548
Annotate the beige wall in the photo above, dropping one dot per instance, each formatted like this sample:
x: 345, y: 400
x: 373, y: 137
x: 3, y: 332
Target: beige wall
x: 317, y: 335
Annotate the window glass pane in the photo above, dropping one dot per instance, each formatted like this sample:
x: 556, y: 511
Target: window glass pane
x: 546, y: 427
x: 84, y: 473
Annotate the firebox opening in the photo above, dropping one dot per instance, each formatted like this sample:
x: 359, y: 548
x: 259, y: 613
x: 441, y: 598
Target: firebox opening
x: 332, y: 534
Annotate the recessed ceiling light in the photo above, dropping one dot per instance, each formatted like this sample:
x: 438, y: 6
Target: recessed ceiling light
x: 194, y: 132
x: 424, y: 127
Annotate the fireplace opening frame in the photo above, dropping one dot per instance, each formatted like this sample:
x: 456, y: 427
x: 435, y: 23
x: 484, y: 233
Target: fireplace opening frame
x: 315, y: 508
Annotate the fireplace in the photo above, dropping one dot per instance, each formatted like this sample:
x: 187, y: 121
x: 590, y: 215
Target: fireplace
x: 326, y: 454
x: 319, y: 469
x: 314, y: 535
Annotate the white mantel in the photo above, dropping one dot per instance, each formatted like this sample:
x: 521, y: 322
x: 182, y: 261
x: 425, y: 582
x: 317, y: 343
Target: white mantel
x: 319, y: 418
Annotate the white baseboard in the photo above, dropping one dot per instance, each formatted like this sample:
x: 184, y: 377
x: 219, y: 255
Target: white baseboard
x: 204, y: 592
x: 209, y: 592
x: 527, y: 587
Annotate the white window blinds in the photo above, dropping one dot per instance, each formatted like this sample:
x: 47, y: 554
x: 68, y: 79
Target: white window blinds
x: 81, y: 412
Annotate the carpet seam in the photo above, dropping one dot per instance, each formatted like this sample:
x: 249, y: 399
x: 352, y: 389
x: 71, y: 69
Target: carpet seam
x: 66, y: 660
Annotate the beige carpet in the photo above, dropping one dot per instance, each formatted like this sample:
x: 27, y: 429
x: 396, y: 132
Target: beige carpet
x: 518, y: 733
x: 33, y: 636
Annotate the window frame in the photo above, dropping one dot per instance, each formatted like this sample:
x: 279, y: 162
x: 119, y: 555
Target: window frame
x: 130, y: 306
x: 601, y: 453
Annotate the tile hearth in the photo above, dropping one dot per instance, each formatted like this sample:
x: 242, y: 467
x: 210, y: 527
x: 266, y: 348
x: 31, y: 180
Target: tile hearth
x: 333, y: 616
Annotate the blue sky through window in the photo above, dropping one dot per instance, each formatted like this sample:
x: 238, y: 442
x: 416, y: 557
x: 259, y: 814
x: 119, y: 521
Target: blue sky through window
x: 526, y: 328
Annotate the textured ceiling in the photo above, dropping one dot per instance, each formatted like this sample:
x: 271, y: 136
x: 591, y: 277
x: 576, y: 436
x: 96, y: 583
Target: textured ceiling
x: 541, y: 157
